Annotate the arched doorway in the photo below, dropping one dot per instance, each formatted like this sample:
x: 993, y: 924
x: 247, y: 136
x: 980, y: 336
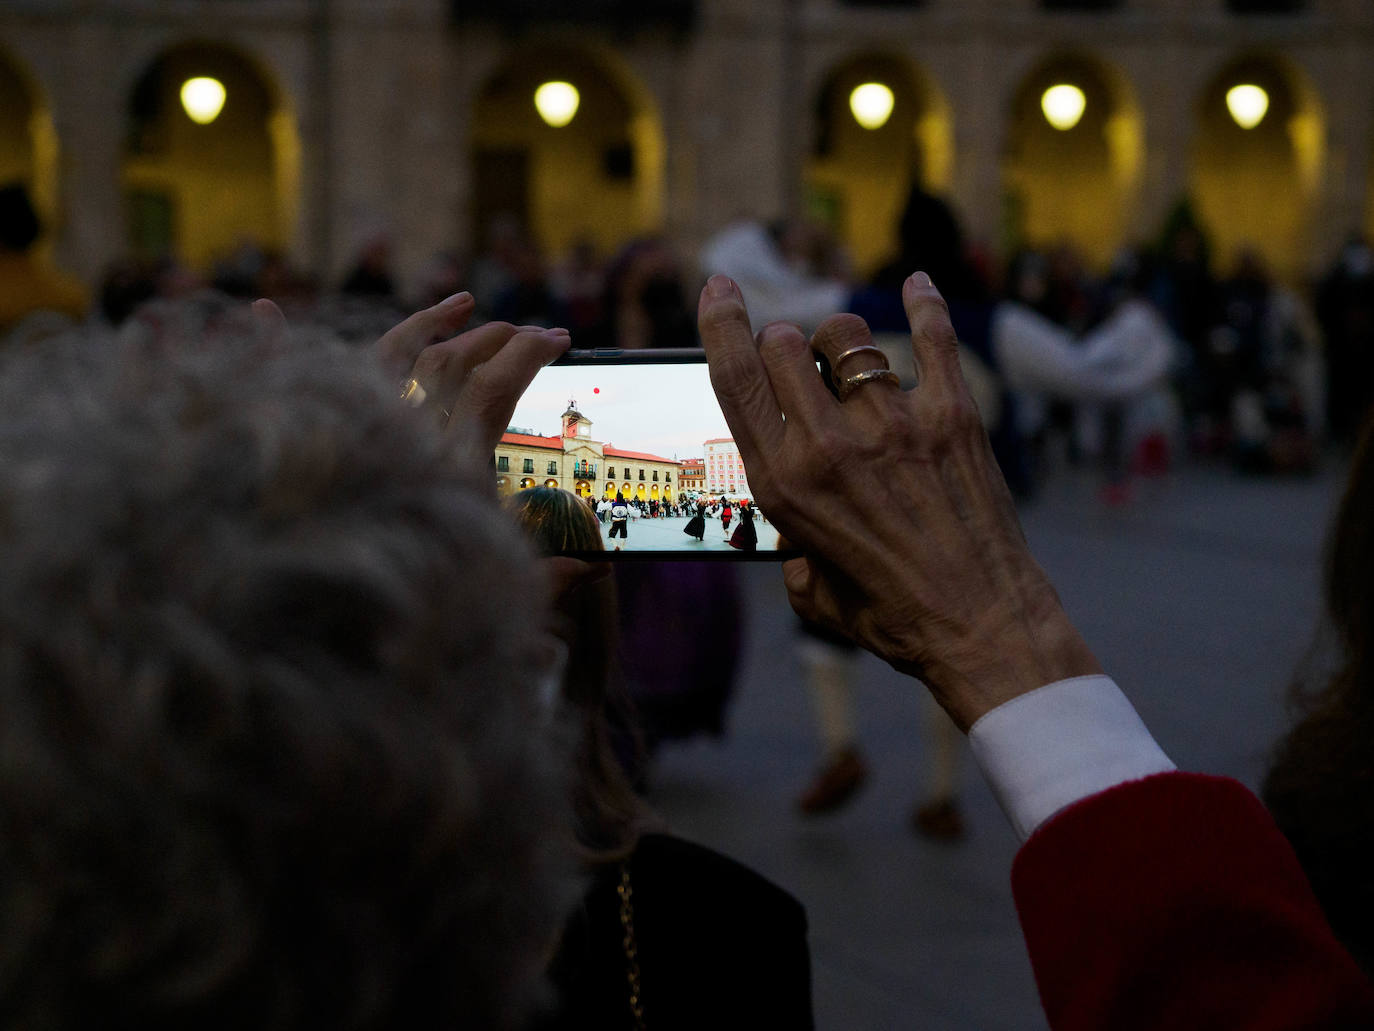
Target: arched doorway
x: 28, y: 142
x: 640, y: 493
x: 609, y: 492
x: 856, y: 178
x: 598, y: 178
x: 1254, y: 187
x: 503, y: 487
x: 1072, y: 159
x: 584, y: 489
x: 526, y: 483
x: 198, y: 191
x: 550, y: 483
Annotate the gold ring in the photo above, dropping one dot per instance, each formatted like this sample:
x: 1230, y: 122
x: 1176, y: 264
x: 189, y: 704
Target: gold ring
x: 412, y: 393
x: 848, y: 385
x: 844, y: 356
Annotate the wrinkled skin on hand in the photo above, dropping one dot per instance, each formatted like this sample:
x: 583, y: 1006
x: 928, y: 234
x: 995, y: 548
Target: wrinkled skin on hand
x: 911, y: 541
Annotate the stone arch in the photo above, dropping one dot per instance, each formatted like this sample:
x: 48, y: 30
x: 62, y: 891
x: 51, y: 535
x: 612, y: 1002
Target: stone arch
x: 1256, y: 188
x: 599, y: 179
x: 28, y: 140
x: 1077, y: 185
x: 197, y: 191
x: 856, y: 180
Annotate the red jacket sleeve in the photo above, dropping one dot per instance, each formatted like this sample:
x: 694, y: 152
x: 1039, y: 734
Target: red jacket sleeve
x: 1175, y: 902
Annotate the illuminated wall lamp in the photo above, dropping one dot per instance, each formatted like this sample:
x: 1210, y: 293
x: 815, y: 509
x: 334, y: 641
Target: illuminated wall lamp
x: 1063, y: 106
x: 871, y: 104
x: 203, y: 99
x: 1247, y: 104
x: 557, y: 103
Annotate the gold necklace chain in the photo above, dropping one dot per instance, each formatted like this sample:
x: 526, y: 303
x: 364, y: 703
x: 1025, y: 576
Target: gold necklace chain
x: 627, y: 924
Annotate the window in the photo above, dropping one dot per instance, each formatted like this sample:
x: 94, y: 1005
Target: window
x: 502, y: 464
x: 641, y: 474
x: 668, y: 477
x: 610, y: 472
x: 529, y: 466
x: 655, y: 475
x: 553, y: 468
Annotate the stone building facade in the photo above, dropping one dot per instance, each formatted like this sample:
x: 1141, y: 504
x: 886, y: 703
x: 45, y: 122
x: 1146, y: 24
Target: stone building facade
x: 692, y: 475
x: 349, y: 118
x: 587, y: 467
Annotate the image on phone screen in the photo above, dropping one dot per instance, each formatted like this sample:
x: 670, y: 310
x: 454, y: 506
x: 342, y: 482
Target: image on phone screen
x: 641, y: 438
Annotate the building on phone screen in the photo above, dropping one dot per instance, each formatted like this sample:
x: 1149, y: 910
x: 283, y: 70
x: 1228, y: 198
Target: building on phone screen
x: 691, y: 478
x: 576, y: 462
x: 725, y: 469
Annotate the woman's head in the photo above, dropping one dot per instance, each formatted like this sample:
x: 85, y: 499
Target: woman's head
x: 556, y: 520
x: 606, y: 812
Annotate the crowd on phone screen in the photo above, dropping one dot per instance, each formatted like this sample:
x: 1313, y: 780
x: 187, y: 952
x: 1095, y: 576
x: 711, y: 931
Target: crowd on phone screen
x: 283, y: 745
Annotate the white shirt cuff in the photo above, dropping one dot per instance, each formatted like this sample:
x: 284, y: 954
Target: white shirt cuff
x: 1045, y: 750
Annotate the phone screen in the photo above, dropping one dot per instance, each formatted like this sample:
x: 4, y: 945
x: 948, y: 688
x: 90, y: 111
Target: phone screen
x: 640, y: 437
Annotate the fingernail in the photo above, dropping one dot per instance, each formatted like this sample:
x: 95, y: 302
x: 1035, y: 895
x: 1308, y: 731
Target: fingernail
x: 559, y: 335
x: 774, y: 330
x: 453, y: 300
x: 920, y: 279
x: 721, y: 286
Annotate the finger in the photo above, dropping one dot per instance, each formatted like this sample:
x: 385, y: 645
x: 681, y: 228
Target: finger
x: 810, y: 596
x: 792, y: 372
x: 486, y: 402
x: 401, y: 345
x: 933, y: 340
x: 442, y: 368
x: 273, y: 330
x: 845, y: 340
x: 737, y: 372
x: 567, y: 575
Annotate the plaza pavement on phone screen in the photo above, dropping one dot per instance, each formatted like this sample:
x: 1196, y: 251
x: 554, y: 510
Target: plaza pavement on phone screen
x: 647, y: 534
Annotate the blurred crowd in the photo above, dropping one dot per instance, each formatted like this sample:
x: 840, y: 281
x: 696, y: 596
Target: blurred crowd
x: 1262, y: 374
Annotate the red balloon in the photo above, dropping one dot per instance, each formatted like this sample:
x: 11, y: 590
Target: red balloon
x: 596, y: 390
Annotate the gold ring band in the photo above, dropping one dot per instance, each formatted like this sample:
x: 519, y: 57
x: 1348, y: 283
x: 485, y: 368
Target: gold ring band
x: 849, y: 384
x: 844, y: 356
x: 412, y: 393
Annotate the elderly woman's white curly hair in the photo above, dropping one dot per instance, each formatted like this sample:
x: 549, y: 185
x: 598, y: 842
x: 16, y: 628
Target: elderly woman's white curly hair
x: 271, y: 748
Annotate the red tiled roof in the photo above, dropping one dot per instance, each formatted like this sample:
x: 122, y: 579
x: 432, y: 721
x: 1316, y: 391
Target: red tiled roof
x: 638, y: 456
x: 525, y: 440
x: 721, y: 440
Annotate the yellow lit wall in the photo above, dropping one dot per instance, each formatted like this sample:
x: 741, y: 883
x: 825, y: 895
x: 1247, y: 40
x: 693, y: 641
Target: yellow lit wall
x: 222, y: 178
x: 571, y: 194
x: 1073, y: 185
x: 16, y: 140
x: 1253, y: 187
x: 858, y: 179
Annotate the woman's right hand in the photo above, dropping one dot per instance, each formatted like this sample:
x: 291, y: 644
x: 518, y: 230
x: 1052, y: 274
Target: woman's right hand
x: 911, y: 541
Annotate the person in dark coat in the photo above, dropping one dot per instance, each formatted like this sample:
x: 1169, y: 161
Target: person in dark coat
x: 745, y: 537
x: 669, y: 934
x: 696, y: 526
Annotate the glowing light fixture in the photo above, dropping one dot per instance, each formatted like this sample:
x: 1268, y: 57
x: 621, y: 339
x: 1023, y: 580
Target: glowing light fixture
x: 1247, y: 104
x: 1063, y: 106
x: 203, y: 99
x: 871, y: 104
x: 557, y: 102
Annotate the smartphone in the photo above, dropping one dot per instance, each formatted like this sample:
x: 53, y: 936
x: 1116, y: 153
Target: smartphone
x: 640, y: 436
